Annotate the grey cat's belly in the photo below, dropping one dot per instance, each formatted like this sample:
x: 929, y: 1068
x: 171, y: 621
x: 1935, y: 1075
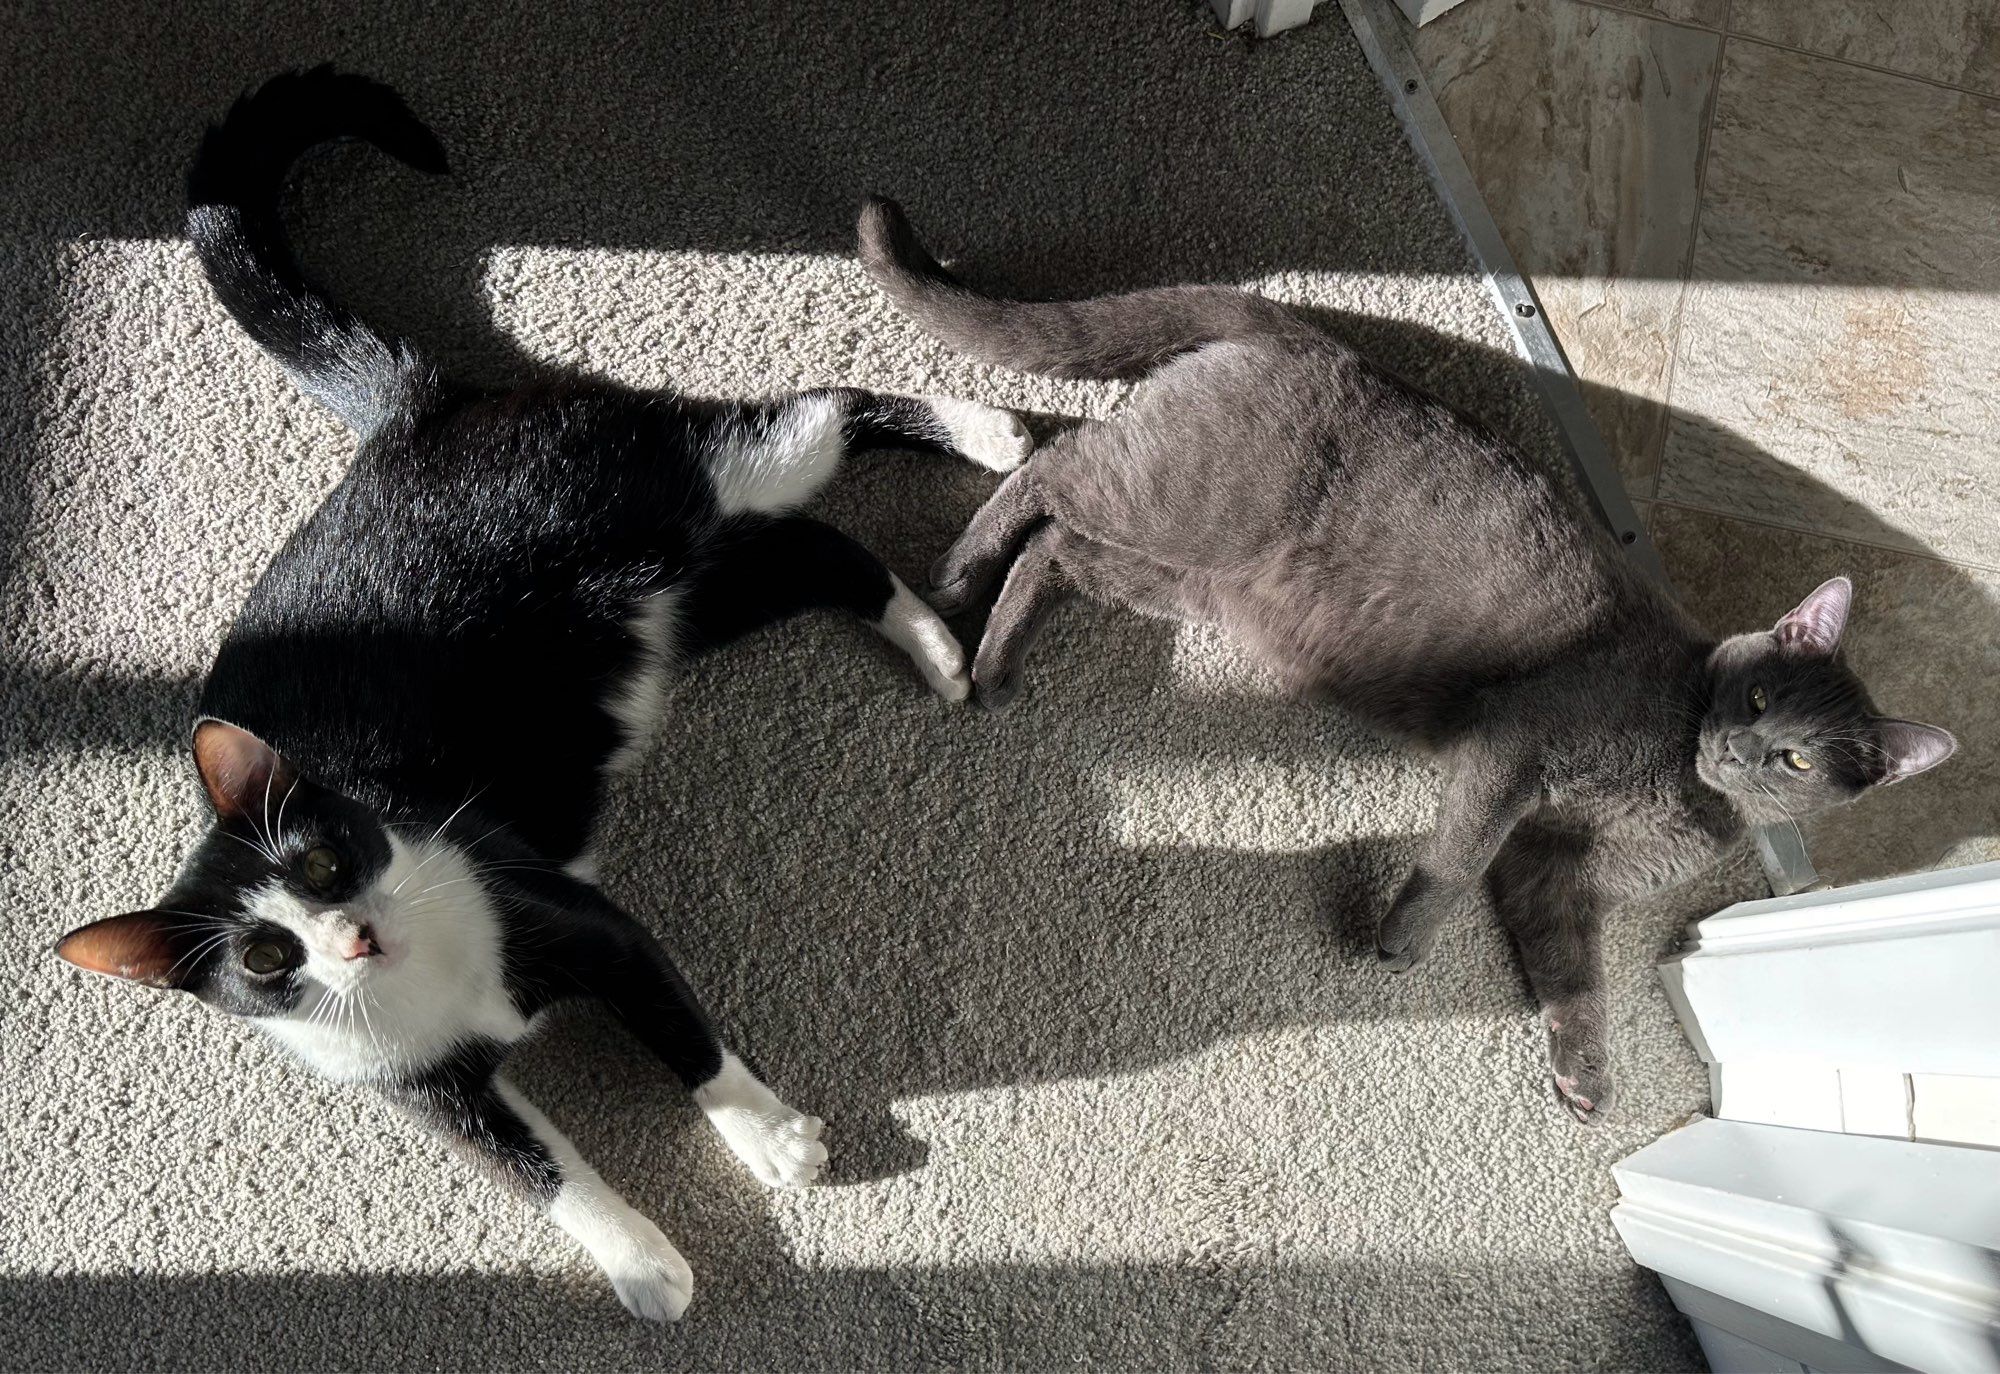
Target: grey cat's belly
x: 1366, y: 541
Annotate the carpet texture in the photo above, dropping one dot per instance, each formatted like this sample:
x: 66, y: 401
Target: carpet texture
x: 1083, y: 992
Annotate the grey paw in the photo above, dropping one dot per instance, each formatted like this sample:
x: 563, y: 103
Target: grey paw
x: 1579, y: 1073
x: 1399, y: 959
x: 1406, y: 935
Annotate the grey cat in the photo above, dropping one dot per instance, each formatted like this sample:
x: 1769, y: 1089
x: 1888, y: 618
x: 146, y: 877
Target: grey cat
x: 1377, y: 547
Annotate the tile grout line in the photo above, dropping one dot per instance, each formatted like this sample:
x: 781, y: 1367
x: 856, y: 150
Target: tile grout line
x: 1963, y: 564
x: 1863, y: 66
x: 1687, y: 263
x: 1611, y: 6
x: 1615, y: 8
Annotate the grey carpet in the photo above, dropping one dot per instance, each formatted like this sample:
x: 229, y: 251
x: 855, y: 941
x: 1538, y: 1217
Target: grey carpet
x: 1082, y: 991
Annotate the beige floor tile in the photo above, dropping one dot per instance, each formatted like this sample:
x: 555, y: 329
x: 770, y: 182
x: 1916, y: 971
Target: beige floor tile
x: 1583, y: 128
x: 1953, y: 41
x: 1924, y: 636
x: 1841, y: 312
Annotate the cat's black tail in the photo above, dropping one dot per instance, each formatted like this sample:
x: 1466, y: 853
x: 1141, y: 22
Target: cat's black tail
x: 1108, y: 337
x: 233, y: 220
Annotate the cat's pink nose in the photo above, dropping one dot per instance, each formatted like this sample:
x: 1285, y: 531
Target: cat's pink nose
x: 362, y: 945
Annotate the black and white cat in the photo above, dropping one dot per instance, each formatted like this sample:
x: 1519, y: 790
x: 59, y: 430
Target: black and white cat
x: 407, y: 733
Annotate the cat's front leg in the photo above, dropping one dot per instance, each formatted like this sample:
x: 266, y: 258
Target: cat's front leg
x: 602, y: 951
x: 487, y: 1118
x: 1484, y: 796
x: 1556, y: 917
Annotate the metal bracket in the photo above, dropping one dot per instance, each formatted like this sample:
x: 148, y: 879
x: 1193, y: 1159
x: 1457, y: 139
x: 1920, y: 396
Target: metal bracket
x: 1380, y: 27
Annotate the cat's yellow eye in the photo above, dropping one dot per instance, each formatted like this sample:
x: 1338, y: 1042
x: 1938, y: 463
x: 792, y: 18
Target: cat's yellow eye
x: 266, y: 956
x: 1798, y: 760
x: 321, y: 867
x: 1758, y: 701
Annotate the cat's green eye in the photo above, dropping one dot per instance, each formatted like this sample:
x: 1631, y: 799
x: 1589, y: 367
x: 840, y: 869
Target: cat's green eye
x: 266, y: 956
x: 321, y: 867
x: 1758, y: 701
x: 1798, y: 761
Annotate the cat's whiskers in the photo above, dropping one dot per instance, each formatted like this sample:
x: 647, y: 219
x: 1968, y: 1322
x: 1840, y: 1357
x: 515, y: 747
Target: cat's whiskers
x: 256, y: 849
x: 1771, y: 793
x: 193, y: 956
x: 282, y: 804
x: 446, y: 823
x: 443, y: 849
x: 368, y: 1022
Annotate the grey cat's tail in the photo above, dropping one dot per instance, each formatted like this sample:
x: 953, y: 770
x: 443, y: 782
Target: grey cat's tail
x: 1106, y: 337
x: 233, y: 221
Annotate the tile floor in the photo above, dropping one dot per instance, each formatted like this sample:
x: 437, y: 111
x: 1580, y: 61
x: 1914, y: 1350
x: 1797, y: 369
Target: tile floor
x: 1768, y: 235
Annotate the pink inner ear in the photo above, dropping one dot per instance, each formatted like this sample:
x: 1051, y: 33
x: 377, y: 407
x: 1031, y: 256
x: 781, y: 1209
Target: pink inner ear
x: 1909, y: 748
x: 140, y: 947
x: 1814, y: 626
x: 240, y: 771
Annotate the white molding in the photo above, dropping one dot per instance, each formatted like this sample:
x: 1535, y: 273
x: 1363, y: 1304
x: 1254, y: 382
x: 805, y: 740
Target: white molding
x: 1741, y: 1340
x: 1275, y: 16
x: 1887, y: 1247
x: 1272, y: 16
x: 1421, y: 12
x: 1897, y: 975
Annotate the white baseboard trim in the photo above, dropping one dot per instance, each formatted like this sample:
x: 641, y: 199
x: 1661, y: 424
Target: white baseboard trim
x: 1889, y: 1250
x: 1896, y: 975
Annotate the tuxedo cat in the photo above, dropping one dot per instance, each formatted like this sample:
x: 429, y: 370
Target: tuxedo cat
x: 1374, y: 546
x: 407, y: 733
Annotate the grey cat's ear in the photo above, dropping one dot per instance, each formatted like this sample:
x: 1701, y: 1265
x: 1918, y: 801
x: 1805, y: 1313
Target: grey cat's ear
x: 1813, y: 628
x: 1908, y: 748
x: 141, y: 947
x: 243, y: 775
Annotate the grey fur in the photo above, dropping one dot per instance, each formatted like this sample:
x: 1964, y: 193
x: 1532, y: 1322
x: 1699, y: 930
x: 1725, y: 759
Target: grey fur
x: 1377, y: 547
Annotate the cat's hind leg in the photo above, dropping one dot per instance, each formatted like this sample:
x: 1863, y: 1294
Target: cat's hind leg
x: 1036, y: 585
x: 771, y: 459
x: 990, y: 542
x: 995, y: 439
x: 760, y: 571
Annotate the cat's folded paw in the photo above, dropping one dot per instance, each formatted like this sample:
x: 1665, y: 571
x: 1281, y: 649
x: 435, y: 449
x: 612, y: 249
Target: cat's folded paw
x: 993, y: 438
x: 781, y: 1146
x: 651, y: 1278
x: 945, y: 673
x: 1578, y: 1072
x: 1406, y: 935
x: 1400, y: 960
x: 997, y: 688
x: 915, y: 628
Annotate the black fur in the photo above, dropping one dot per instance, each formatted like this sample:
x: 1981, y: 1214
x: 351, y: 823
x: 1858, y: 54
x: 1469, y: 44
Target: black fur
x: 445, y: 659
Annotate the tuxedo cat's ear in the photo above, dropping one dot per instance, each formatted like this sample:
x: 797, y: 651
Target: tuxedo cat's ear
x: 1813, y: 628
x: 142, y: 947
x: 243, y: 775
x: 1909, y: 748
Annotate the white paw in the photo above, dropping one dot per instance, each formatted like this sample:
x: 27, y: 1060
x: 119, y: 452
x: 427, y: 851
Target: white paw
x: 781, y: 1148
x: 995, y: 439
x: 912, y: 626
x: 780, y: 1144
x: 943, y: 665
x: 652, y: 1279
